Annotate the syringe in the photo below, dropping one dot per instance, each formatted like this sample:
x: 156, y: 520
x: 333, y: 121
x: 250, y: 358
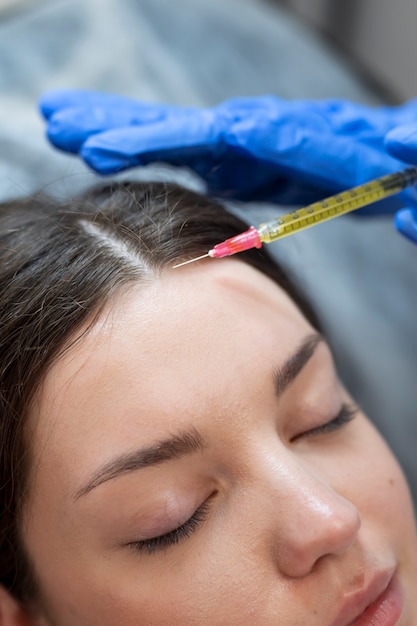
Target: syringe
x: 313, y: 214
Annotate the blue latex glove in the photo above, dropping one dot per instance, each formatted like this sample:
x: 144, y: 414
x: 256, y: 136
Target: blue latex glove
x: 402, y: 144
x: 261, y: 148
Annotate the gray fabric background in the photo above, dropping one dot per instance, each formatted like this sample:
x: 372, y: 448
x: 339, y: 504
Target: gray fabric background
x: 359, y: 273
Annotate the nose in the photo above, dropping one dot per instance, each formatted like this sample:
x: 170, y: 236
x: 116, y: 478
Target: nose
x: 311, y: 521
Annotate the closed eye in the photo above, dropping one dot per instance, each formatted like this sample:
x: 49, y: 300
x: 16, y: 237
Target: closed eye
x: 346, y: 414
x: 162, y: 542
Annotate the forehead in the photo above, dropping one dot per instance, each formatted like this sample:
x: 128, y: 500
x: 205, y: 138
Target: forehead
x: 177, y: 316
x: 162, y: 353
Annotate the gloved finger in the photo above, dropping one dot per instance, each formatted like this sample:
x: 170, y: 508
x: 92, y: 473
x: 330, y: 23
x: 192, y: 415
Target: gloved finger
x: 401, y: 142
x: 350, y: 118
x: 339, y: 116
x: 56, y: 100
x: 405, y: 222
x: 188, y: 140
x: 402, y: 114
x: 311, y: 152
x: 69, y: 128
x: 369, y: 124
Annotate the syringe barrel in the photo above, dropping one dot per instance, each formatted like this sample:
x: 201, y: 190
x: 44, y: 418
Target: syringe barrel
x: 336, y: 205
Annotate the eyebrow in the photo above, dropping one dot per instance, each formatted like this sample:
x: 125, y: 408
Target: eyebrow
x: 287, y: 373
x: 186, y: 443
x: 191, y: 441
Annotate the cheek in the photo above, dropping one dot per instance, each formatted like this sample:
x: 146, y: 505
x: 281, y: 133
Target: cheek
x: 380, y: 490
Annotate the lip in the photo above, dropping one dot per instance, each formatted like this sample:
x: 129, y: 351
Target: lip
x: 379, y: 604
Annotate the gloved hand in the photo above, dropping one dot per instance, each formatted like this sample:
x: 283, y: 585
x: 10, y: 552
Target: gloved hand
x: 260, y: 148
x: 402, y: 144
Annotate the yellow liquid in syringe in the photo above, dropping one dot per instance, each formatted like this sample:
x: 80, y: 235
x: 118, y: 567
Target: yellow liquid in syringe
x: 341, y: 203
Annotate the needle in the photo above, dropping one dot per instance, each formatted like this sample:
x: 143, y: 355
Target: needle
x: 190, y: 261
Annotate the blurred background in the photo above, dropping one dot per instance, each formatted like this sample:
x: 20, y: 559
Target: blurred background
x: 359, y: 273
x: 380, y: 35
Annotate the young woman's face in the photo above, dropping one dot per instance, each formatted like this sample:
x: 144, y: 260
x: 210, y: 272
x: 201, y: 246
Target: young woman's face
x: 197, y: 461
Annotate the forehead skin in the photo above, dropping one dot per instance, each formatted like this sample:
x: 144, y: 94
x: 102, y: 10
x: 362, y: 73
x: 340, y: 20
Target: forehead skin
x: 198, y: 347
x: 197, y: 315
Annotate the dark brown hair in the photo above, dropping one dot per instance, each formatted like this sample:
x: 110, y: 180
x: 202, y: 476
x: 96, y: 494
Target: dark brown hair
x: 59, y: 263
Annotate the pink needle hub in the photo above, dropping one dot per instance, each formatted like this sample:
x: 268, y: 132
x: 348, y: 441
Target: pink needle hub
x: 244, y: 241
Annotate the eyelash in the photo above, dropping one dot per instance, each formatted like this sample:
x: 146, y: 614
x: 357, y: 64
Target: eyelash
x: 174, y: 536
x: 346, y: 414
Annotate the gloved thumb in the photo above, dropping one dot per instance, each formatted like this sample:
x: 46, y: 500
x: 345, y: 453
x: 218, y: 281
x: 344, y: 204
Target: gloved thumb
x: 401, y: 142
x: 405, y: 221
